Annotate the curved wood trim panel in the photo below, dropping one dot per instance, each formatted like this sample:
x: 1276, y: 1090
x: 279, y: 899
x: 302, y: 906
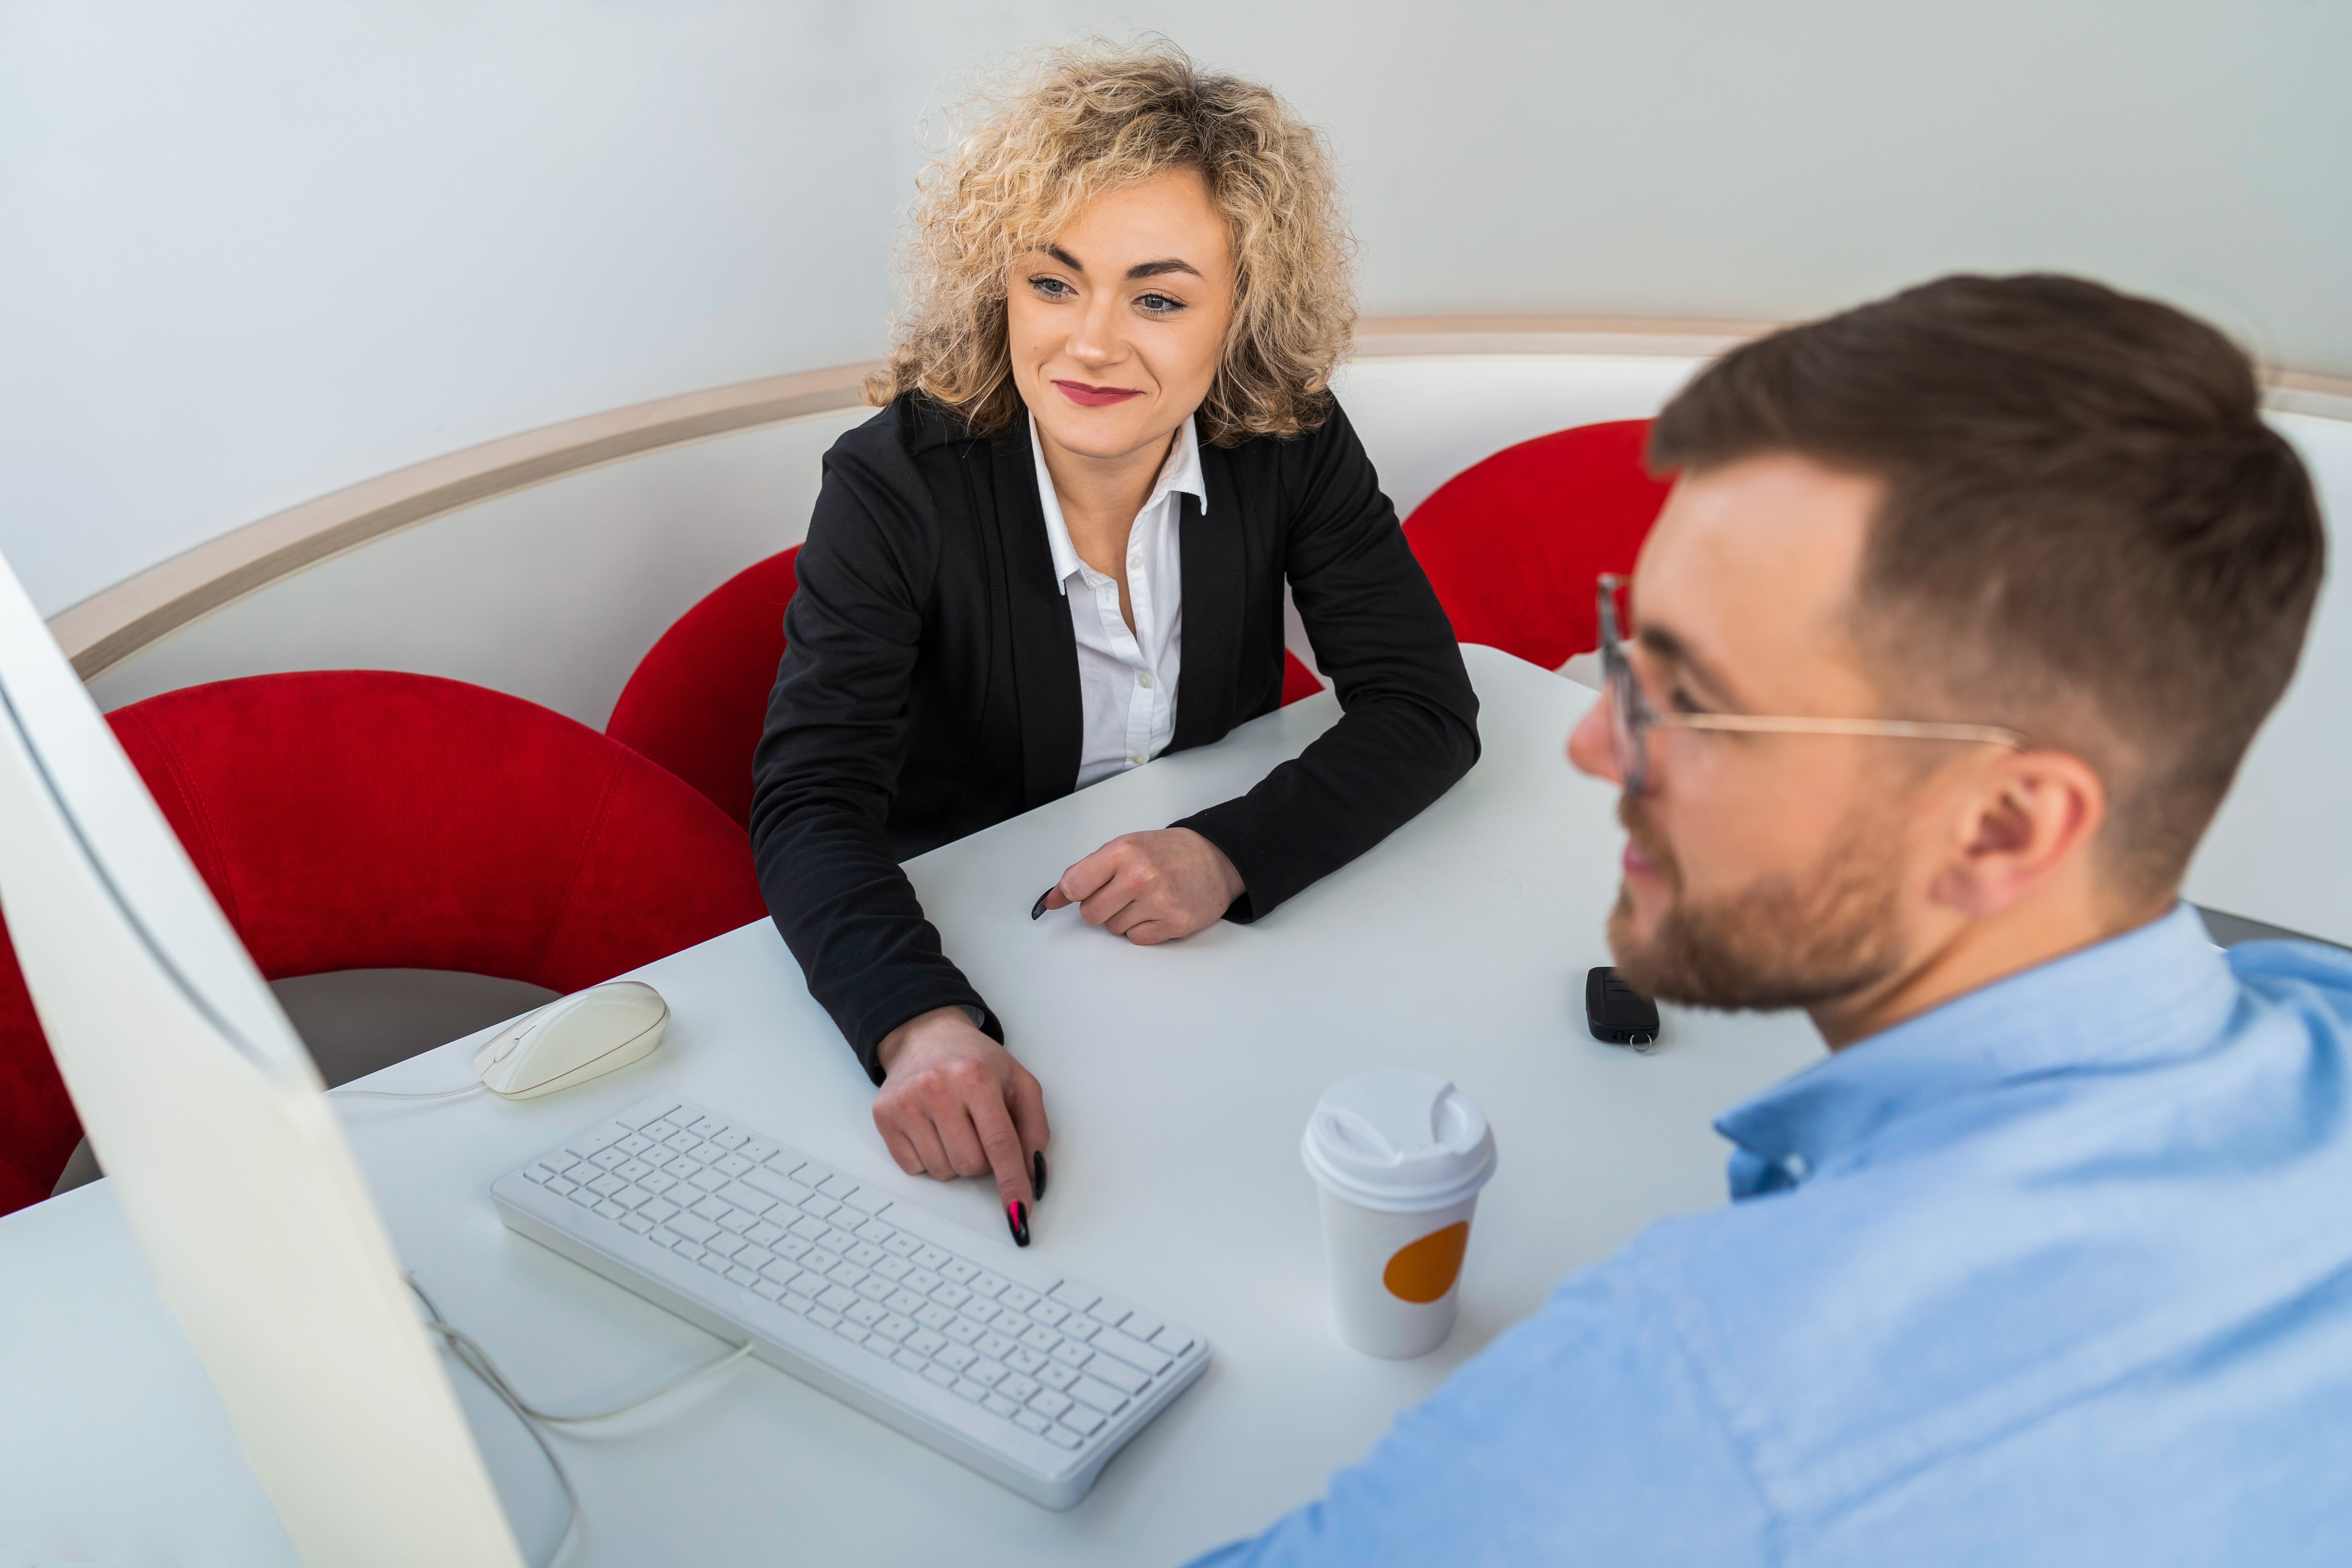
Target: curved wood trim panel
x: 117, y: 622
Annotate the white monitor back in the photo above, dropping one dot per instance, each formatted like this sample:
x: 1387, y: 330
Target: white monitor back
x: 213, y: 1128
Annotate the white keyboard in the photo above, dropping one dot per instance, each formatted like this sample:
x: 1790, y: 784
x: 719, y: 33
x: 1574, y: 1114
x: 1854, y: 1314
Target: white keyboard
x: 1028, y: 1376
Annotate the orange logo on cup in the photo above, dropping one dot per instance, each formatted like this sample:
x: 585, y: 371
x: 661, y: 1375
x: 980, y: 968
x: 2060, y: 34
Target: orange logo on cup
x: 1425, y: 1269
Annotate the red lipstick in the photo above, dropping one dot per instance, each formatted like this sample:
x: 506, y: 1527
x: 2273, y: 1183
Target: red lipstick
x: 1086, y: 396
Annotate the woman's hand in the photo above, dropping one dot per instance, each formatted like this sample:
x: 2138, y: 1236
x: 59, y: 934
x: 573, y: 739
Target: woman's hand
x: 953, y: 1103
x: 1150, y: 886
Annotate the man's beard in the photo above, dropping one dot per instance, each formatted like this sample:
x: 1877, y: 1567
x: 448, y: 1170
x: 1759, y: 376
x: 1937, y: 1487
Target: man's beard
x: 1781, y: 943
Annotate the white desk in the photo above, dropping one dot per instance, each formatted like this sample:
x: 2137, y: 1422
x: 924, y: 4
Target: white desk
x: 1460, y: 946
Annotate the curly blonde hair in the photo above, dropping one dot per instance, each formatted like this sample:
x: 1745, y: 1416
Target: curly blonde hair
x: 1095, y: 117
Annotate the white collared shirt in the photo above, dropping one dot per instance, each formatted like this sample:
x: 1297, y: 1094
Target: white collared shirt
x: 1126, y: 680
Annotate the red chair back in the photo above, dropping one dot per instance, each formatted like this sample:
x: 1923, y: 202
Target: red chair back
x: 699, y: 699
x: 361, y: 819
x: 1513, y: 542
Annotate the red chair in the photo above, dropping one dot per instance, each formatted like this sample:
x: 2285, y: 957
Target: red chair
x: 699, y: 699
x: 360, y: 819
x: 1513, y: 542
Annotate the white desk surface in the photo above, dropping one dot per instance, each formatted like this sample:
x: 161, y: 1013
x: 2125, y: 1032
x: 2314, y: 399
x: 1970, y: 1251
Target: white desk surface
x: 1177, y: 1079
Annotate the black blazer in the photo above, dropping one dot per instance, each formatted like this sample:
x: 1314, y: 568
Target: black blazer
x: 929, y: 684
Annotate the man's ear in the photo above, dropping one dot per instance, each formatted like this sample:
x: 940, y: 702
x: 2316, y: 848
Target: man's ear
x: 2023, y: 819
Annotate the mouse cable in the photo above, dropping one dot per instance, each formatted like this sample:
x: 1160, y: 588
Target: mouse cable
x: 396, y: 1094
x: 478, y: 1361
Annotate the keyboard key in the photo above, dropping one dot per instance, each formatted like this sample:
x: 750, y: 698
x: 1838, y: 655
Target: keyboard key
x: 539, y: 1174
x: 713, y: 1262
x: 1079, y: 1328
x: 839, y: 1300
x: 1020, y: 1298
x: 867, y: 1200
x: 1015, y: 1387
x: 608, y: 1159
x: 742, y: 1275
x: 610, y: 1210
x: 1142, y: 1326
x: 648, y: 1113
x: 635, y: 1143
x: 967, y: 1389
x: 838, y: 1239
x: 904, y: 1300
x: 793, y: 1303
x: 774, y: 1183
x: 866, y: 1255
x: 869, y: 1314
x: 708, y: 1180
x: 1070, y: 1352
x: 1081, y: 1420
x: 1040, y: 1338
x: 849, y: 1274
x: 850, y: 1331
x: 957, y: 1270
x: 605, y: 1186
x: 690, y: 1252
x: 820, y: 1206
x: 632, y: 1169
x: 638, y: 1223
x: 1032, y: 1420
x: 767, y: 1288
x: 939, y: 1375
x: 808, y: 1285
x: 757, y: 1150
x: 983, y: 1312
x: 632, y: 1198
x: 598, y: 1139
x: 1020, y: 1358
x: 731, y: 1139
x: 894, y: 1324
x: 988, y: 1372
x: 1110, y: 1311
x: 1049, y: 1312
x: 732, y: 1166
x: 1054, y: 1374
x: 585, y: 1197
x: 708, y: 1125
x: 1099, y: 1394
x: 949, y: 1296
x: 826, y: 1317
x: 657, y: 1182
x: 1118, y: 1373
x: 1133, y: 1351
x: 1076, y: 1297
x: 995, y: 1344
x: 876, y: 1232
x: 925, y: 1342
x: 748, y: 1198
x: 809, y: 1227
x: 1049, y: 1403
x: 838, y: 1186
x: 932, y: 1315
x: 922, y: 1282
x: 781, y: 1268
x: 737, y: 1221
x: 902, y: 1244
x: 765, y: 1235
x: 955, y: 1358
x: 874, y: 1287
x: 963, y: 1330
x: 931, y: 1257
x: 999, y: 1405
x: 755, y: 1258
x: 791, y: 1246
x: 891, y: 1267
x: 1061, y: 1436
x: 562, y: 1187
x: 910, y: 1361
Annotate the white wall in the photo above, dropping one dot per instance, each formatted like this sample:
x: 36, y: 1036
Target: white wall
x: 257, y: 249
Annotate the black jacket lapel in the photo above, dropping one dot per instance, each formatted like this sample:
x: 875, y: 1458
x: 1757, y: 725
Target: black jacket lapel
x: 1216, y: 582
x: 1044, y: 650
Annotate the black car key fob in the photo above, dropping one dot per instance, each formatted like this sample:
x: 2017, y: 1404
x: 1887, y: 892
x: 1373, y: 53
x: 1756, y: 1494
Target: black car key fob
x: 1618, y: 1014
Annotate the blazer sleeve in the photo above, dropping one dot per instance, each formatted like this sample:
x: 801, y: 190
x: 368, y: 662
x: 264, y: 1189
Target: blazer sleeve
x: 827, y: 766
x: 1411, y: 725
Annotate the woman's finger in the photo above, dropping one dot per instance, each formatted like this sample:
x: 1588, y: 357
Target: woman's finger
x: 1001, y: 1143
x: 915, y: 1126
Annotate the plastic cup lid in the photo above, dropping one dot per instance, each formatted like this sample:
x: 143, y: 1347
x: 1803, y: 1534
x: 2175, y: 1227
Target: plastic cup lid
x: 1400, y: 1142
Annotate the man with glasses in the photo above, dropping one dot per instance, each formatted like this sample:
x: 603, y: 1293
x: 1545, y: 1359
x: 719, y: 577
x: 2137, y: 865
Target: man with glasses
x: 1948, y: 642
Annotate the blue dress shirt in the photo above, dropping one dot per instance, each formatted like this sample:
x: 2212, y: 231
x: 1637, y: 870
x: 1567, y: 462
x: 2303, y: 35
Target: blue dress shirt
x: 2059, y: 1273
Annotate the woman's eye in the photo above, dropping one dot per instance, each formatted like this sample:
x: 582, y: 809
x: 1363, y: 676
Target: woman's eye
x: 1161, y: 304
x: 1051, y: 287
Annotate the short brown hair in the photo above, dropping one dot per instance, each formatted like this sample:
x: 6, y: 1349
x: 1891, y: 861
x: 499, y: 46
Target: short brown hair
x: 2086, y: 531
x: 1093, y: 117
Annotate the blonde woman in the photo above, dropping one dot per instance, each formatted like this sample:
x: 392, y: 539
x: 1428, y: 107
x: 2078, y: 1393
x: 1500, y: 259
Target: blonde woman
x: 1059, y: 551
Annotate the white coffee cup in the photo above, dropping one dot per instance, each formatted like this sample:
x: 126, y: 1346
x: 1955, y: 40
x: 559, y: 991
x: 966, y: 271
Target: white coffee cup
x: 1400, y: 1157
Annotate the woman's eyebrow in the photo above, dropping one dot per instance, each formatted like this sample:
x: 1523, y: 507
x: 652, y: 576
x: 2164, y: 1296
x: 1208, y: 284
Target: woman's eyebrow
x: 1065, y: 257
x: 1161, y: 268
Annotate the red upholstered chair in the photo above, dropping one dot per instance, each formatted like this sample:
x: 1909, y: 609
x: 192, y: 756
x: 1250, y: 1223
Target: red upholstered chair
x: 1513, y: 542
x: 699, y: 699
x: 361, y: 819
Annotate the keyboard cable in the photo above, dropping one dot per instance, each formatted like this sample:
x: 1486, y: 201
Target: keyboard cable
x: 478, y: 1361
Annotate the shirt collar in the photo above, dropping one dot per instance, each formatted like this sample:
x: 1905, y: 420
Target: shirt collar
x: 2152, y: 992
x: 1181, y: 471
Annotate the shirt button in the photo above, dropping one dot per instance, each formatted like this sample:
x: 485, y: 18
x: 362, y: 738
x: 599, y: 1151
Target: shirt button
x: 1136, y: 758
x: 1797, y: 1166
x: 1144, y: 682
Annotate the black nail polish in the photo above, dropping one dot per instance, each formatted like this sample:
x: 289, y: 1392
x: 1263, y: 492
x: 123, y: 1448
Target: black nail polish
x: 1039, y: 907
x: 1037, y: 1176
x: 1016, y: 1217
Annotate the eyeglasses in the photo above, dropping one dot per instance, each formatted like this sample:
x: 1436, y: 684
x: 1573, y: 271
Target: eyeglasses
x: 1631, y: 717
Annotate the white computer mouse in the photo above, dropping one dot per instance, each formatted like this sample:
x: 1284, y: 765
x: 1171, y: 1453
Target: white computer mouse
x: 573, y: 1039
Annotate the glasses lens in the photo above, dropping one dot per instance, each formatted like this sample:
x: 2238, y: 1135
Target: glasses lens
x: 1625, y: 729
